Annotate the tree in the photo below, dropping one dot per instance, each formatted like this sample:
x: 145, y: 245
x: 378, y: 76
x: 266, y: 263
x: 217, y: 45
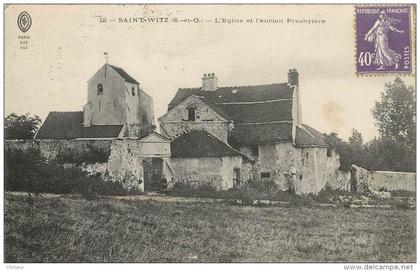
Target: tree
x: 389, y: 155
x: 342, y: 148
x: 356, y: 148
x: 395, y: 113
x: 21, y: 126
x: 356, y: 139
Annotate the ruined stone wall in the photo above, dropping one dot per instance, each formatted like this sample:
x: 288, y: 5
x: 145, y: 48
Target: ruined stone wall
x: 125, y: 164
x: 393, y: 180
x: 218, y: 171
x: 305, y: 170
x: 64, y: 149
x: 390, y: 180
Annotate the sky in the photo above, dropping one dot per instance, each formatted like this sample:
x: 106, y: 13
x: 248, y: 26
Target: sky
x: 66, y: 45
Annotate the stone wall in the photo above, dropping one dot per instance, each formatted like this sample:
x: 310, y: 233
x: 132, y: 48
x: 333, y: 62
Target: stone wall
x: 108, y: 108
x: 219, y: 171
x: 126, y: 163
x: 306, y: 170
x: 175, y: 122
x: 390, y: 180
x: 69, y: 150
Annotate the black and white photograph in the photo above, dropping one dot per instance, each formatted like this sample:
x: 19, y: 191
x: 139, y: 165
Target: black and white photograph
x: 210, y: 133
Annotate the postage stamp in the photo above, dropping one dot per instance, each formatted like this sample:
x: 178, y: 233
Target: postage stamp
x: 383, y: 39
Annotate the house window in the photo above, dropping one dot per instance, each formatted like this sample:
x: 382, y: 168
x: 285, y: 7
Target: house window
x: 329, y: 152
x: 265, y: 175
x: 133, y: 91
x: 237, y: 176
x: 254, y: 150
x: 100, y: 89
x: 191, y: 114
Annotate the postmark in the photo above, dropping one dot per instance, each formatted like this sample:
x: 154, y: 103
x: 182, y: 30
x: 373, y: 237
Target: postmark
x: 383, y: 39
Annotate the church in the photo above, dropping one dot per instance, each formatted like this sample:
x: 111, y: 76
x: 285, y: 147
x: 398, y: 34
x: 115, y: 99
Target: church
x: 116, y: 107
x: 222, y: 135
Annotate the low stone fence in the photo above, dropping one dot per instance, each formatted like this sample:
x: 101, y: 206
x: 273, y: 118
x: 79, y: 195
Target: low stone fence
x: 376, y: 180
x: 67, y: 151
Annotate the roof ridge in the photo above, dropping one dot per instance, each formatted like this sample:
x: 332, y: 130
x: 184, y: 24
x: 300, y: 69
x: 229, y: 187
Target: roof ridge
x: 240, y: 86
x: 66, y: 112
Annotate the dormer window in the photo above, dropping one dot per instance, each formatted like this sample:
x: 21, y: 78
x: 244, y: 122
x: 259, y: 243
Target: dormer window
x: 191, y: 114
x: 133, y: 91
x: 100, y: 89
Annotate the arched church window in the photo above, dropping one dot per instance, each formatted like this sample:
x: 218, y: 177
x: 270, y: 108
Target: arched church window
x: 133, y: 91
x: 100, y: 89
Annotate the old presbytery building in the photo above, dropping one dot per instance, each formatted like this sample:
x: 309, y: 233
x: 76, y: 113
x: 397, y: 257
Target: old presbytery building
x: 222, y: 135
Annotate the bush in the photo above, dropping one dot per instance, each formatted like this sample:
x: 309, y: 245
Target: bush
x: 383, y: 189
x: 190, y: 189
x: 23, y: 170
x: 28, y: 171
x: 93, y: 155
x: 402, y: 203
x: 403, y: 193
x: 330, y: 195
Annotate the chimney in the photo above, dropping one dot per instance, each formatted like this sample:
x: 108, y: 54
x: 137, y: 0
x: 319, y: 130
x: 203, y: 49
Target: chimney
x: 293, y: 77
x: 293, y: 80
x: 209, y: 82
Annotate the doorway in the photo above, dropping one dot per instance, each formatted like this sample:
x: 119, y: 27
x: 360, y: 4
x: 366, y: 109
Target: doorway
x: 153, y: 175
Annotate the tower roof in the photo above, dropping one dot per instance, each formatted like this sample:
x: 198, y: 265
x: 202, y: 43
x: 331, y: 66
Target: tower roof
x: 124, y: 74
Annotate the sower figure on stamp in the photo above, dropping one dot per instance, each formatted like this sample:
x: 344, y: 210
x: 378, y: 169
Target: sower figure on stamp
x: 384, y: 56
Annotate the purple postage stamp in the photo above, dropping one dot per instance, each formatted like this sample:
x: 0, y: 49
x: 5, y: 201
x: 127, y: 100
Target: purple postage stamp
x: 383, y: 39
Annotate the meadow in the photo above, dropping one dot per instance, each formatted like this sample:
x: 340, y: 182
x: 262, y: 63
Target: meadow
x: 70, y: 228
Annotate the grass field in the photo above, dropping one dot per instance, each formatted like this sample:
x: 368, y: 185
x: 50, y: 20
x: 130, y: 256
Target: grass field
x: 72, y: 229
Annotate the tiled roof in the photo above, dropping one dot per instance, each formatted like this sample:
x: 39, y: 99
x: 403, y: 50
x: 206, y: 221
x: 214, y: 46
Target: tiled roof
x: 69, y: 125
x: 236, y: 94
x: 264, y: 133
x: 307, y: 136
x: 259, y: 112
x: 124, y: 75
x: 200, y: 143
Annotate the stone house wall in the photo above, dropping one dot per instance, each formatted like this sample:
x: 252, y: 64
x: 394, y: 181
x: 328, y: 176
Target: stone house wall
x: 306, y: 170
x: 219, y: 171
x: 175, y: 122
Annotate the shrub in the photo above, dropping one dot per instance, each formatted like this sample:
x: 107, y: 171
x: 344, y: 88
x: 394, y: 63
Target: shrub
x: 28, y: 171
x: 190, y: 189
x: 402, y: 203
x: 93, y: 155
x: 24, y: 170
x: 383, y: 189
x: 403, y: 193
x: 330, y: 195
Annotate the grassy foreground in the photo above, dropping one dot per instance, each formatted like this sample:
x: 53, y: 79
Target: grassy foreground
x: 72, y: 229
